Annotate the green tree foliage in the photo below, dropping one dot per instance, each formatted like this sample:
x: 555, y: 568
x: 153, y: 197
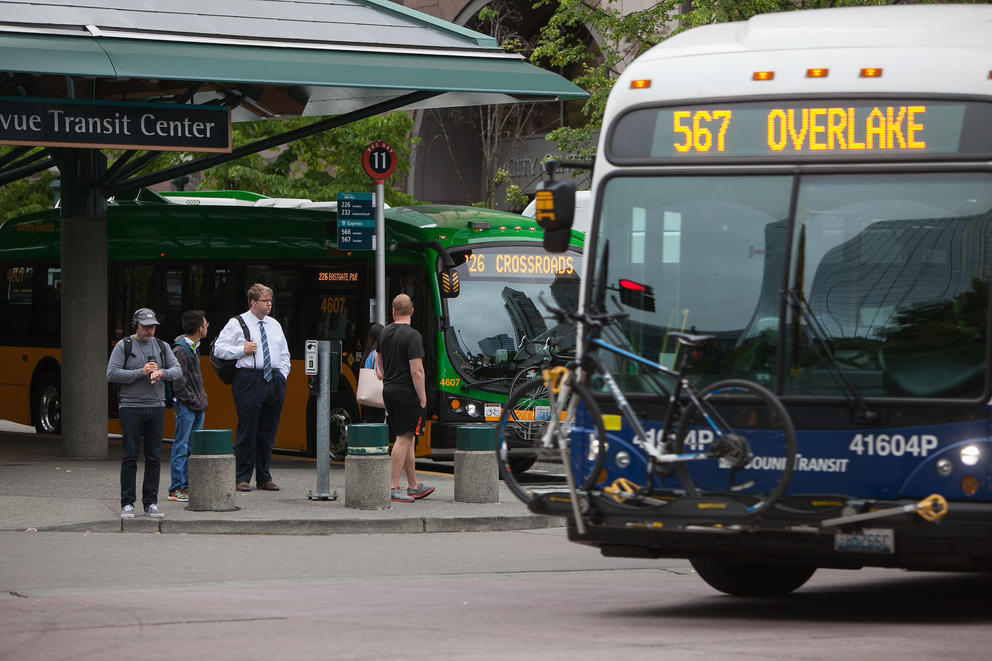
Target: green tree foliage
x: 622, y: 37
x: 26, y: 195
x: 318, y: 167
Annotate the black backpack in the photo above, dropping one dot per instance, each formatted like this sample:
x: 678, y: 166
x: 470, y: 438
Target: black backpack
x: 162, y: 347
x: 224, y: 368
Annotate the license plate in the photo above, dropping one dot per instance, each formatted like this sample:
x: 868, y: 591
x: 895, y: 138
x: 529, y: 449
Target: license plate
x: 869, y: 540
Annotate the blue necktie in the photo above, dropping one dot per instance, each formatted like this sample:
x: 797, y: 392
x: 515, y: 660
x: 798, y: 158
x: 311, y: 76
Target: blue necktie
x: 266, y: 362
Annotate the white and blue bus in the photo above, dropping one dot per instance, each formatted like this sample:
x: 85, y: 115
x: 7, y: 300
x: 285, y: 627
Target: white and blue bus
x: 814, y: 189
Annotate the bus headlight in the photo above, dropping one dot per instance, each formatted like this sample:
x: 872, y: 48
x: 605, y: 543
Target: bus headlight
x: 593, y: 450
x: 944, y: 467
x: 970, y: 454
x: 465, y: 407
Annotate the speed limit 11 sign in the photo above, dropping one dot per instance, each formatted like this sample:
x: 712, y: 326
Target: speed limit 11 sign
x: 379, y: 160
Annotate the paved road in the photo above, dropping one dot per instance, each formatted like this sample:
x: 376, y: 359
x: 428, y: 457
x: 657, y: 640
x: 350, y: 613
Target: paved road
x: 502, y: 595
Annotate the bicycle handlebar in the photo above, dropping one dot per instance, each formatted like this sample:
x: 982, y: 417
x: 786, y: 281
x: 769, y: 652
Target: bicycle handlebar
x: 594, y: 320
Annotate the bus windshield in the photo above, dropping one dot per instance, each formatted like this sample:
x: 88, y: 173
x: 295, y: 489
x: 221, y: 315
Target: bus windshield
x: 497, y: 324
x: 888, y: 271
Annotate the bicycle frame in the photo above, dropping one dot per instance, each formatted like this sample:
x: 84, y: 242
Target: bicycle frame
x: 682, y: 385
x: 560, y: 390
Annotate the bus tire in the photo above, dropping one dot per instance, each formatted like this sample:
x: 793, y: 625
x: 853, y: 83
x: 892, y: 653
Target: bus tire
x: 47, y: 404
x: 340, y: 419
x: 752, y: 579
x: 520, y: 465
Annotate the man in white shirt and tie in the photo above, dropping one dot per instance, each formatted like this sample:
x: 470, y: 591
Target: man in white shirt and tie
x: 259, y: 386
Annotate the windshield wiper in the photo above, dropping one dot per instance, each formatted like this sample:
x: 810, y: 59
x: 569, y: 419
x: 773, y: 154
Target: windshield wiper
x: 802, y: 310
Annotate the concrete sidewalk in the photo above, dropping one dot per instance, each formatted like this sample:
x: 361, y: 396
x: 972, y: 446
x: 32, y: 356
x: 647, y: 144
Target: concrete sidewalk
x: 41, y: 490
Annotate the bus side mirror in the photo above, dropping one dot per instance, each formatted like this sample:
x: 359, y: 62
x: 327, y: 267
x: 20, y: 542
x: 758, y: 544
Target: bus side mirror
x: 555, y: 212
x: 637, y: 295
x: 448, y: 284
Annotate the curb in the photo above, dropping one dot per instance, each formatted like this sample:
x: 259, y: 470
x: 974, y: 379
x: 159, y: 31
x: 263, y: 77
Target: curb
x: 314, y: 527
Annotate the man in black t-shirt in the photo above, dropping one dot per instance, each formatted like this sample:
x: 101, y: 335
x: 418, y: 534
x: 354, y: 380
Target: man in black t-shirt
x: 399, y: 362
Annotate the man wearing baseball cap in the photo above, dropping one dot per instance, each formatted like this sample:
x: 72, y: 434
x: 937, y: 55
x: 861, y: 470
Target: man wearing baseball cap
x: 141, y: 363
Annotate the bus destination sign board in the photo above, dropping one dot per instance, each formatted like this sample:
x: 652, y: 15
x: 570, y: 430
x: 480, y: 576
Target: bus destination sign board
x: 508, y: 264
x: 356, y: 221
x: 803, y: 130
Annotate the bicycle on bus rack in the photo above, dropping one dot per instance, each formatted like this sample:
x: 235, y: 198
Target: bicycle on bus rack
x: 733, y: 438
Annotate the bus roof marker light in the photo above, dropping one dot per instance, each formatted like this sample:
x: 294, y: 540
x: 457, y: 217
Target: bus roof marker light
x: 817, y: 73
x: 763, y: 75
x: 871, y: 72
x: 641, y: 84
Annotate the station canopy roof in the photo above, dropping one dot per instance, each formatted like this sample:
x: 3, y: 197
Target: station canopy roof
x: 264, y: 58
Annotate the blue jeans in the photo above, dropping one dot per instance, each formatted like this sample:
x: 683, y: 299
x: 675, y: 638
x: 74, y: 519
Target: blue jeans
x: 141, y: 426
x: 186, y: 421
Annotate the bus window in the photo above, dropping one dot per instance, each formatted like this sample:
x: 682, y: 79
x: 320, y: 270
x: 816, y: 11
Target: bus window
x: 159, y: 287
x: 33, y: 296
x: 497, y: 322
x: 715, y: 262
x: 894, y: 276
x: 335, y: 316
x: 17, y: 312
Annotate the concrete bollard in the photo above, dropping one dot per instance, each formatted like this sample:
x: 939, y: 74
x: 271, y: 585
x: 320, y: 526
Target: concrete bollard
x: 476, y: 473
x: 211, y: 471
x: 366, y: 468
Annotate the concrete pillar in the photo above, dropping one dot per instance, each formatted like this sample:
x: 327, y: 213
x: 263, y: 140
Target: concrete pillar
x: 476, y: 472
x: 366, y: 468
x: 211, y: 471
x: 84, y: 306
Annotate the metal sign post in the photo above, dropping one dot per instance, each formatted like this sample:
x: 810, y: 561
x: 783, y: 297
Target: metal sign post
x: 380, y: 254
x: 379, y: 161
x: 323, y: 440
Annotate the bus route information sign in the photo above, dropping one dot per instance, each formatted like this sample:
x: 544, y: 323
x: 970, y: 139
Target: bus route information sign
x: 356, y: 222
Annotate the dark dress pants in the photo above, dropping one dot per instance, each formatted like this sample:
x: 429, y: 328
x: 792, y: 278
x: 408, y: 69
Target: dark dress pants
x: 259, y: 405
x: 141, y: 425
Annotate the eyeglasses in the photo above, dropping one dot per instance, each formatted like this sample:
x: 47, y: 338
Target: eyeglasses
x: 205, y: 324
x: 265, y: 300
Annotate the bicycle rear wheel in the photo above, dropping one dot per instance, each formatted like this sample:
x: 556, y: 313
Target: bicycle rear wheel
x: 748, y: 419
x: 520, y: 439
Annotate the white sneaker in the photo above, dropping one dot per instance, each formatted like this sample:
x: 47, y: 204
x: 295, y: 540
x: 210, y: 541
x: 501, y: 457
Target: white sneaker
x: 153, y: 510
x: 127, y: 512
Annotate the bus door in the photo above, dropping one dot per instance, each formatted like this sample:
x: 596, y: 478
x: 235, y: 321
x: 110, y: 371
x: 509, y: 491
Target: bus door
x: 335, y: 307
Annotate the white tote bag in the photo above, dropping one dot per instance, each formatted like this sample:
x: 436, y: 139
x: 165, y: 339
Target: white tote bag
x: 369, y: 389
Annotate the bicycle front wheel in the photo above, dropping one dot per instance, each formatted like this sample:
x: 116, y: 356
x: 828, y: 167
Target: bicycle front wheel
x: 523, y: 437
x: 751, y: 441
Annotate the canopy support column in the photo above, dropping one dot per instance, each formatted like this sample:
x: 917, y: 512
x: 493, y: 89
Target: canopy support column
x: 84, y: 298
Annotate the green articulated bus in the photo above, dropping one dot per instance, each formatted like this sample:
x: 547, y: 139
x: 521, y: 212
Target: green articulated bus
x: 474, y: 275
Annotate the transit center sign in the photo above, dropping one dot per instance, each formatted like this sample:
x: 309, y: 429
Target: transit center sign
x: 152, y: 126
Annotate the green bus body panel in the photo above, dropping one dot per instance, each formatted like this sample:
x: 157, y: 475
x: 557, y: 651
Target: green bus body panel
x: 174, y: 232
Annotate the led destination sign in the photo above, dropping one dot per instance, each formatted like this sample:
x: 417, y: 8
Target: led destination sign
x: 511, y: 264
x: 803, y: 130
